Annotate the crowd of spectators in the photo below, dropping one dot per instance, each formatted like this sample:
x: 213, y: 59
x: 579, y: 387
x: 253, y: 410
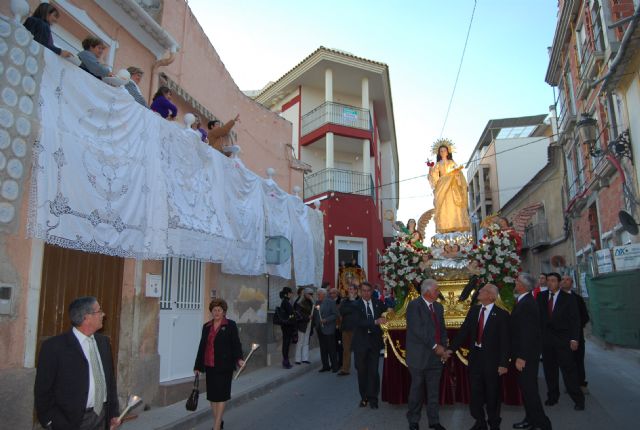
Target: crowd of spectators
x: 90, y: 60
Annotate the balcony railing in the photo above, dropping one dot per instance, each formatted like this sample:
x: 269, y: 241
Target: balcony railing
x: 343, y: 181
x: 335, y: 113
x: 536, y: 235
x: 591, y: 55
x: 566, y: 118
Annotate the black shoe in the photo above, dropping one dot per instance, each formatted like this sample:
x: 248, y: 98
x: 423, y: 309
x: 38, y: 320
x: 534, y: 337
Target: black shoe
x: 334, y: 370
x: 579, y: 407
x: 297, y: 362
x: 479, y: 426
x: 437, y: 427
x: 373, y: 404
x: 550, y: 402
x: 324, y: 369
x: 306, y: 362
x: 363, y: 403
x: 414, y: 426
x: 524, y: 424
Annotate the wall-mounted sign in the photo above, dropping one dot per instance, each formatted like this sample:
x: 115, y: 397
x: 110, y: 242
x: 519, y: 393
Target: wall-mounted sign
x: 278, y: 250
x: 604, y: 261
x: 627, y: 257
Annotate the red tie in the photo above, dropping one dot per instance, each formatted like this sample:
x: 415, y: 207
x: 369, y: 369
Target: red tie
x: 480, y: 326
x: 550, y: 304
x: 435, y: 323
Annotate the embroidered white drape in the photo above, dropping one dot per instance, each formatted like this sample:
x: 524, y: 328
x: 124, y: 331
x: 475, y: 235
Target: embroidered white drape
x: 112, y: 177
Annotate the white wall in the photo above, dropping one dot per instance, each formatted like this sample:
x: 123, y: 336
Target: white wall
x: 312, y: 98
x: 292, y: 114
x: 516, y: 167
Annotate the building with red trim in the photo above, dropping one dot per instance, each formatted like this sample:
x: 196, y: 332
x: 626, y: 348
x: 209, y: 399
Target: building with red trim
x: 344, y: 139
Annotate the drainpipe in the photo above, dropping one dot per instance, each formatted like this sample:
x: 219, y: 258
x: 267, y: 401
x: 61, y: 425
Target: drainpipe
x: 626, y: 39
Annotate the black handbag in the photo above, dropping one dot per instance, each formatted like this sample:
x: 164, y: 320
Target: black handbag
x: 192, y: 401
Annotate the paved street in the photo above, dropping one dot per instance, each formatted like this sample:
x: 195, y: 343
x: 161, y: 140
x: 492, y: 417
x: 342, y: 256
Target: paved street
x: 323, y: 401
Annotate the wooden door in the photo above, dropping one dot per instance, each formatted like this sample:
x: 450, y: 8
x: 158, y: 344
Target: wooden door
x: 68, y: 274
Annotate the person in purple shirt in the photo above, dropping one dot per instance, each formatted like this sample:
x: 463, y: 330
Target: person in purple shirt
x: 162, y: 104
x: 39, y: 24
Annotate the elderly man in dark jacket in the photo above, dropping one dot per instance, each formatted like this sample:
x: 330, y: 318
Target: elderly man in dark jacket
x: 325, y: 314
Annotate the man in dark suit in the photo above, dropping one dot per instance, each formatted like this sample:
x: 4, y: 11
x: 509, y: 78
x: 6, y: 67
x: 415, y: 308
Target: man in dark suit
x: 367, y: 343
x: 75, y: 384
x: 560, y: 335
x: 526, y: 343
x: 486, y: 326
x: 567, y: 286
x: 325, y: 314
x: 426, y: 340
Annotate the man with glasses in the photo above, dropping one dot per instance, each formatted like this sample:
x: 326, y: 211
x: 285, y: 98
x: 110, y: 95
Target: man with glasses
x: 75, y: 386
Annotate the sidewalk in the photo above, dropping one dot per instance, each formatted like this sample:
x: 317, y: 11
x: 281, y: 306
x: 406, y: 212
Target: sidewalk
x: 247, y: 387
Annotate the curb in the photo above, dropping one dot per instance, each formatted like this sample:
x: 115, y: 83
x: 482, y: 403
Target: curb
x: 181, y: 419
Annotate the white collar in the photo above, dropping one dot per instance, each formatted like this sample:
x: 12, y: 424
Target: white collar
x: 488, y: 307
x: 80, y: 336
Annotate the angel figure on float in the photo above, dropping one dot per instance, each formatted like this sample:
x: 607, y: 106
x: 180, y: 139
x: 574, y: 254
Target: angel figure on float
x: 449, y: 190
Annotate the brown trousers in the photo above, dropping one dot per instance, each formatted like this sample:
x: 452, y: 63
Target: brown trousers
x: 347, y: 337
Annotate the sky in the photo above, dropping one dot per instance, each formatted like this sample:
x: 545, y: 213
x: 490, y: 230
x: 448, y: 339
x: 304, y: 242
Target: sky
x: 502, y: 73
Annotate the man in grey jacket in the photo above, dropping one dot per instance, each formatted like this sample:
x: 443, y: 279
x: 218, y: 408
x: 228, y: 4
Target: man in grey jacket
x: 325, y: 315
x: 426, y: 351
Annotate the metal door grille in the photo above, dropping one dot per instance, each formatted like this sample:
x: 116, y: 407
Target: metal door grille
x: 185, y: 277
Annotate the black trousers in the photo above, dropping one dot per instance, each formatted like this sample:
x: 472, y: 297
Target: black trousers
x: 366, y: 361
x: 485, y: 389
x: 339, y: 347
x: 287, y: 337
x: 528, y: 383
x: 328, y: 350
x: 557, y: 355
x: 578, y: 356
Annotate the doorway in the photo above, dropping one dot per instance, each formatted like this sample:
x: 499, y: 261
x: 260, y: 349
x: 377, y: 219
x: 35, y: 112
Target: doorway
x: 68, y: 274
x: 180, y: 317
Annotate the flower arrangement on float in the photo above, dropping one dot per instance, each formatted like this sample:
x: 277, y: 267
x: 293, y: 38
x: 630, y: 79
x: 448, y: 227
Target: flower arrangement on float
x: 400, y: 265
x: 497, y: 262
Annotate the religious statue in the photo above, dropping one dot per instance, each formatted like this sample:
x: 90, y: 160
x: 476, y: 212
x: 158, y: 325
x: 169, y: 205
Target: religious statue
x: 449, y: 190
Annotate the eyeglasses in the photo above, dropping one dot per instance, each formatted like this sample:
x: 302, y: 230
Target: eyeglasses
x: 99, y: 311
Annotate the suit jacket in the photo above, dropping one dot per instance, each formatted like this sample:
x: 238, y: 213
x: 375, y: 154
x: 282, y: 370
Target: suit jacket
x: 227, y: 349
x: 495, y: 336
x: 421, y: 336
x: 564, y: 324
x: 350, y: 313
x: 329, y: 312
x: 582, y: 310
x: 526, y: 330
x: 366, y: 333
x: 62, y: 381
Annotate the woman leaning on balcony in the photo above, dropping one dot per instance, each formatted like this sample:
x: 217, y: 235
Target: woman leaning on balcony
x: 39, y: 24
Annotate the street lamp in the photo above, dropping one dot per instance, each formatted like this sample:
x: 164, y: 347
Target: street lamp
x: 588, y: 131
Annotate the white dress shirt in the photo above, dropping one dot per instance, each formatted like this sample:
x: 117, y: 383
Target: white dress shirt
x: 85, y: 343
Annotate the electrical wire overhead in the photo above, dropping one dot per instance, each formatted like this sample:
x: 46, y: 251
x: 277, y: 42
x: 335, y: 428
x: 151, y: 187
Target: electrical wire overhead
x: 455, y: 84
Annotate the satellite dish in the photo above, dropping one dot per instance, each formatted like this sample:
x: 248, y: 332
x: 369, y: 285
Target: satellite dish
x: 628, y: 223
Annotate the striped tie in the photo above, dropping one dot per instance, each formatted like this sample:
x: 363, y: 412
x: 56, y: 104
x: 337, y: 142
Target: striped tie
x: 98, y: 377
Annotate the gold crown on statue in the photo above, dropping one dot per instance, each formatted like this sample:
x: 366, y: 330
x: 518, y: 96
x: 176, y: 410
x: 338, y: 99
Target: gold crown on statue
x: 443, y: 142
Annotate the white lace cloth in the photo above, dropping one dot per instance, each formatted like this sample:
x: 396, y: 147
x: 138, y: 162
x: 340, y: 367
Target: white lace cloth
x: 113, y: 177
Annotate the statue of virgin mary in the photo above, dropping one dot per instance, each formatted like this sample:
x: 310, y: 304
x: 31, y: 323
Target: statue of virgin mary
x: 449, y: 190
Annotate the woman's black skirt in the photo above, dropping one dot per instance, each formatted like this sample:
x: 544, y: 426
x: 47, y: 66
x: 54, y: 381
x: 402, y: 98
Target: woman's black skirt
x: 218, y: 384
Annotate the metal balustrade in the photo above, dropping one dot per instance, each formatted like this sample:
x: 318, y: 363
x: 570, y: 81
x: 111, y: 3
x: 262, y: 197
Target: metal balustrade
x: 340, y: 180
x: 536, y: 235
x: 335, y: 113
